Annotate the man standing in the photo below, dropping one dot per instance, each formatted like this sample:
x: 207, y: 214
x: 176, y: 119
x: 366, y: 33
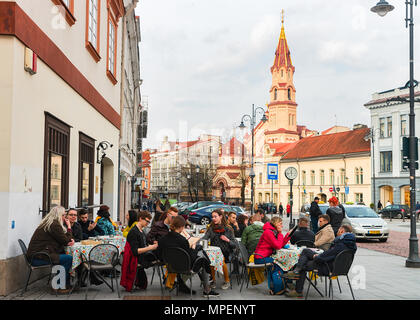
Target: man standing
x: 281, y: 209
x: 315, y: 212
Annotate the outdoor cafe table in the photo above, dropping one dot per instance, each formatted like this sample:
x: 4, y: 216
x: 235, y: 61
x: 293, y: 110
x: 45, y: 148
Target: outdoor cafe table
x: 79, y: 249
x: 286, y: 259
x: 216, y: 257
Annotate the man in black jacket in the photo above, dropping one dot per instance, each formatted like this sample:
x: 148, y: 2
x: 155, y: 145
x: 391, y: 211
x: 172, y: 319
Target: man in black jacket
x: 89, y: 227
x: 303, y: 232
x: 323, y: 262
x: 315, y: 212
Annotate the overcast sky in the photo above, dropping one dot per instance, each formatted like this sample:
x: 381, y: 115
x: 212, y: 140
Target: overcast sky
x: 205, y: 62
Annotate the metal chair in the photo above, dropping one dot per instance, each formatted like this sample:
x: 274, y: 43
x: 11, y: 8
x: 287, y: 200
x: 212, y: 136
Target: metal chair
x: 178, y: 261
x: 305, y: 243
x: 28, y: 260
x: 96, y: 263
x: 341, y: 267
x: 152, y: 262
x: 246, y: 265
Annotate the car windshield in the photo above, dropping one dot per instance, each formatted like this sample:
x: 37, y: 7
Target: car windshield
x: 360, y: 212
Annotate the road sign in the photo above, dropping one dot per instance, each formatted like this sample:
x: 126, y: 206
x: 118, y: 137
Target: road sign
x: 347, y: 190
x: 331, y: 189
x: 338, y: 189
x: 272, y: 171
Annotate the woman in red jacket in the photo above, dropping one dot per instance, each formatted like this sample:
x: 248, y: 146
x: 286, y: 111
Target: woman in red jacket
x: 271, y: 240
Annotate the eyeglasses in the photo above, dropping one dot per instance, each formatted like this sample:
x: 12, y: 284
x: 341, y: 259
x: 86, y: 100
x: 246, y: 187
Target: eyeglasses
x: 147, y: 220
x: 72, y: 215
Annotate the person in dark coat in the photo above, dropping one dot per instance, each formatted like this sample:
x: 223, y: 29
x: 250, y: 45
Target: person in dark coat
x: 281, y: 209
x: 136, y: 250
x: 76, y: 228
x: 380, y: 206
x: 89, y: 227
x: 159, y: 208
x: 303, y: 232
x: 315, y: 212
x: 336, y: 214
x: 323, y: 262
x: 200, y: 263
x: 51, y: 237
x: 233, y: 223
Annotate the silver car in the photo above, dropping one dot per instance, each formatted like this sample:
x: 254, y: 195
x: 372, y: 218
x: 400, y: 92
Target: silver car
x: 365, y: 222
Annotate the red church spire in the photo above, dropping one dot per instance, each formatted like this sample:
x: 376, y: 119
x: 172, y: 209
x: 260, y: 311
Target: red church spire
x: 283, y: 58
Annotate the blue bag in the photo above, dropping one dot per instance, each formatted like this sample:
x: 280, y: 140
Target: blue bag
x: 277, y: 284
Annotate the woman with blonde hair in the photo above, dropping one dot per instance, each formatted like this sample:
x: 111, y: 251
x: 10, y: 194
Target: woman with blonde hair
x: 52, y: 234
x: 271, y: 240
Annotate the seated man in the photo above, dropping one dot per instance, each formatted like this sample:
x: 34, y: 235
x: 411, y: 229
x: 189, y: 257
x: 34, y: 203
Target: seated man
x: 325, y: 235
x: 264, y: 218
x: 309, y: 261
x: 252, y: 233
x: 303, y: 232
x: 233, y: 223
x: 89, y: 227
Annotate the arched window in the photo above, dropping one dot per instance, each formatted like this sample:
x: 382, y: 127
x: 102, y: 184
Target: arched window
x: 289, y: 94
x: 357, y: 175
x: 275, y: 94
x: 361, y: 175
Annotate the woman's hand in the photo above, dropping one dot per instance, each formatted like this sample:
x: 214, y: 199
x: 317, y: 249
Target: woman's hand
x: 71, y: 243
x: 154, y: 245
x: 224, y: 238
x: 67, y: 222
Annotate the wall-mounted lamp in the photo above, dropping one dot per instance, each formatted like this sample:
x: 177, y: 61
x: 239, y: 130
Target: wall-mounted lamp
x: 100, y: 151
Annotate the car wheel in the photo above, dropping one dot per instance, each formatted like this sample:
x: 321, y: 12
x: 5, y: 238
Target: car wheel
x: 383, y: 240
x: 204, y: 221
x: 399, y: 216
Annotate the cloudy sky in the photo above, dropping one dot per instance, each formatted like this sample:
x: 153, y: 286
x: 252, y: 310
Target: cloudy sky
x: 205, y: 62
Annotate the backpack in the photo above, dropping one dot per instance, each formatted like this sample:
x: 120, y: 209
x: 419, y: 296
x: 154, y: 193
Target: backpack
x: 277, y: 284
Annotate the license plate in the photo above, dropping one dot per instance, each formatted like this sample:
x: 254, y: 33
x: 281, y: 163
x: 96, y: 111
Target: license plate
x: 374, y: 232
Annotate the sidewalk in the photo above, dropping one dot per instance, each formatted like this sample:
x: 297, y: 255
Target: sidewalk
x: 374, y: 275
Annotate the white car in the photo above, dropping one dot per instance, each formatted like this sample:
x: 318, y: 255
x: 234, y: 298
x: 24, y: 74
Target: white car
x: 365, y: 222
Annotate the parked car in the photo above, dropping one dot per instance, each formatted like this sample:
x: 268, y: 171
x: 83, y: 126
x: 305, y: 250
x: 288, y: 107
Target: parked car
x: 366, y: 223
x: 238, y: 210
x: 203, y: 215
x: 197, y: 205
x: 395, y: 211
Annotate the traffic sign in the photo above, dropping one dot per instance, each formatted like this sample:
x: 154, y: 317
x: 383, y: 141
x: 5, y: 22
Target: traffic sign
x: 331, y: 189
x: 272, y: 171
x: 347, y: 190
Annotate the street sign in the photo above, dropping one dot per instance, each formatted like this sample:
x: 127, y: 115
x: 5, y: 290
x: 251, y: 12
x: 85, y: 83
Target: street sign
x: 338, y: 189
x: 272, y: 171
x: 347, y: 190
x: 331, y: 189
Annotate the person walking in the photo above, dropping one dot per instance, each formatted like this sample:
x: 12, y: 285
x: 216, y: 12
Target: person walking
x: 380, y: 206
x: 281, y: 209
x: 288, y: 209
x: 315, y: 212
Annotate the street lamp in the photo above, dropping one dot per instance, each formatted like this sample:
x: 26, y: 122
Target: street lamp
x: 371, y: 136
x: 252, y: 119
x: 197, y: 171
x: 382, y: 8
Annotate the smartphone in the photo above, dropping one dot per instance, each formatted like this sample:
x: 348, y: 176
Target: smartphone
x: 293, y: 230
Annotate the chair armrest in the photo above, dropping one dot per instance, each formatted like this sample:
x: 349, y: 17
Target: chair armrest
x: 41, y: 253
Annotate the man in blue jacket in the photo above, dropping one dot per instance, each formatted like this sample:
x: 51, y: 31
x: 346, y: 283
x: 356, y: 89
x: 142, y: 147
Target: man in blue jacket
x: 309, y: 260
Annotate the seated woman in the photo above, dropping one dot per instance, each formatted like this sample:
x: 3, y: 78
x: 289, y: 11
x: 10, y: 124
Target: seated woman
x: 104, y: 211
x: 105, y: 223
x: 51, y: 236
x: 132, y: 217
x: 221, y: 235
x: 200, y: 263
x: 272, y: 239
x: 135, y: 252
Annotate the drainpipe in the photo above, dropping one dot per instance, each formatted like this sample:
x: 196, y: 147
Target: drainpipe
x: 128, y: 11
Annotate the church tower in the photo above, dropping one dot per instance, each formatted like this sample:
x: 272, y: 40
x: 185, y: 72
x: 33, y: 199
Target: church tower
x: 282, y: 125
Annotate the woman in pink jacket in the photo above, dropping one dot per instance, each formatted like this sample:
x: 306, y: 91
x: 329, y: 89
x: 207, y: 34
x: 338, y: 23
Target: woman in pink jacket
x: 272, y: 239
